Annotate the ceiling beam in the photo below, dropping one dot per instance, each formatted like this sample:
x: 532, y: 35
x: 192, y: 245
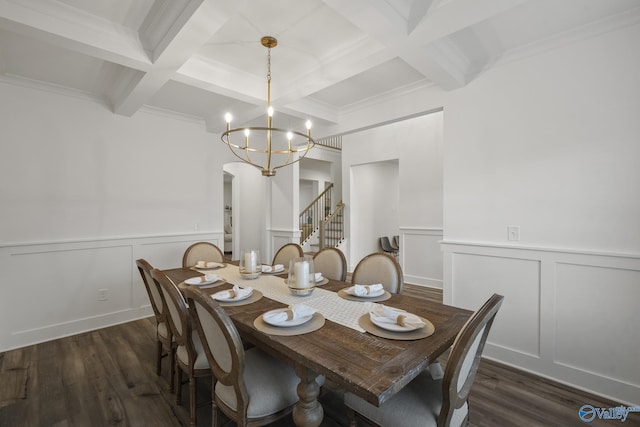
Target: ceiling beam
x: 74, y: 30
x: 192, y: 27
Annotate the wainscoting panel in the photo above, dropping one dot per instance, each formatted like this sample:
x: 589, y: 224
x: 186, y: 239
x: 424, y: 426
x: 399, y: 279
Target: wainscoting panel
x: 477, y: 277
x: 594, y: 297
x: 55, y: 289
x: 421, y: 256
x: 567, y: 315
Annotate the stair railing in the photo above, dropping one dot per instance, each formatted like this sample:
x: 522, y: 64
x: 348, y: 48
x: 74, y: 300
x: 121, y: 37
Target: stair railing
x: 332, y: 228
x: 315, y: 213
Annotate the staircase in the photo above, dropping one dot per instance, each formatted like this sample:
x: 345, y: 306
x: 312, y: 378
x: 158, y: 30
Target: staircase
x: 317, y: 220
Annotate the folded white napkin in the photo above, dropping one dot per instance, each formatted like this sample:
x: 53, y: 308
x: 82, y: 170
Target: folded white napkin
x: 383, y: 314
x: 236, y: 293
x: 364, y: 290
x: 207, y: 278
x: 208, y: 264
x: 272, y: 269
x: 319, y: 277
x: 291, y: 313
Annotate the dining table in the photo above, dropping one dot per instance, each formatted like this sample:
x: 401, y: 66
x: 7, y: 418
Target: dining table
x: 340, y: 344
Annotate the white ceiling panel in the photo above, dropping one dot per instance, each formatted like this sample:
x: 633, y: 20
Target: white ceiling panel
x: 204, y: 57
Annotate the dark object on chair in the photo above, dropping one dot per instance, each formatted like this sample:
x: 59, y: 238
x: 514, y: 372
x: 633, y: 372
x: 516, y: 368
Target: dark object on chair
x: 163, y: 329
x: 428, y: 402
x: 250, y: 387
x: 381, y: 268
x: 190, y: 356
x: 201, y: 251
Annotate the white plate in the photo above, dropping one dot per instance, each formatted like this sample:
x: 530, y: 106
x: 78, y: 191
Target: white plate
x: 222, y: 265
x: 375, y: 294
x: 286, y: 323
x: 282, y: 270
x: 196, y: 281
x: 217, y: 297
x: 394, y: 327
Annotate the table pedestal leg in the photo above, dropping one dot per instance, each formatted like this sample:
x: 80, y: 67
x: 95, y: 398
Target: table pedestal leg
x: 308, y: 411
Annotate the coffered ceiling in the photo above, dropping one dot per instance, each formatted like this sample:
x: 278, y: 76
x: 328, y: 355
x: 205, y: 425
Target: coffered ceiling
x: 202, y: 58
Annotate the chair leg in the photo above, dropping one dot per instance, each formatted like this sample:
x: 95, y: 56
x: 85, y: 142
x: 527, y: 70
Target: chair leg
x: 159, y: 357
x: 215, y: 419
x: 172, y: 368
x: 192, y: 399
x: 351, y: 416
x: 178, y: 385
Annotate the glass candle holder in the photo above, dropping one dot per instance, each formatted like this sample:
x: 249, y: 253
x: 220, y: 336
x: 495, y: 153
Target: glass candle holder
x: 302, y: 278
x: 250, y: 266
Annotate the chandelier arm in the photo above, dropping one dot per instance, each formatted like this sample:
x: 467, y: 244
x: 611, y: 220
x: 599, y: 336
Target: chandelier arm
x: 246, y: 152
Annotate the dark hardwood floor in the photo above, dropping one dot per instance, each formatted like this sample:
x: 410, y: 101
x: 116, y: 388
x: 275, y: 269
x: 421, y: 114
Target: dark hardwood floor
x: 107, y: 378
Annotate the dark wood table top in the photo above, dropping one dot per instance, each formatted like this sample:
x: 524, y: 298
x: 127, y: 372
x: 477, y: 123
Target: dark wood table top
x: 371, y: 367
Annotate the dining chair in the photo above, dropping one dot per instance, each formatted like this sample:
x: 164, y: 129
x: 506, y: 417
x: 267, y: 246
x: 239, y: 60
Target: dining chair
x: 163, y: 330
x: 250, y: 387
x: 442, y: 402
x: 395, y: 243
x: 385, y: 245
x: 332, y: 263
x: 201, y: 251
x: 379, y: 267
x: 286, y: 253
x: 190, y: 356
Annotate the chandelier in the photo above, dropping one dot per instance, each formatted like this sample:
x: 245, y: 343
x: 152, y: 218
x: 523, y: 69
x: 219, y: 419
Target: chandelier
x: 268, y: 148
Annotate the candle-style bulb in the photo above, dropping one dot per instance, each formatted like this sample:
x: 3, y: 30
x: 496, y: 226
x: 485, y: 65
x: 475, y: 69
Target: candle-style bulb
x: 308, y: 124
x: 246, y: 133
x: 289, y: 135
x: 228, y: 117
x: 270, y: 111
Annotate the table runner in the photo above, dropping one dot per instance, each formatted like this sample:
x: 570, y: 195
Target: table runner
x: 328, y: 303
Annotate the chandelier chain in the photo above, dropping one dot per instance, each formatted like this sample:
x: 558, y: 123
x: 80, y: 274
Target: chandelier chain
x: 269, y: 64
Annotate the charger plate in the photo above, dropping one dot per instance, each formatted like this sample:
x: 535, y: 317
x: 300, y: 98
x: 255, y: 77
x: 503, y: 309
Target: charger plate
x: 427, y: 330
x: 343, y: 294
x: 255, y: 296
x: 316, y: 322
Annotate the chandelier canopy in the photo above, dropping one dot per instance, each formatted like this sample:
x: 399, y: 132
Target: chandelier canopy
x: 268, y: 148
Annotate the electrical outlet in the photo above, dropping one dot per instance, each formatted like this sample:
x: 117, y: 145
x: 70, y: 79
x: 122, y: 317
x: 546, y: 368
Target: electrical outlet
x: 102, y: 294
x: 513, y: 233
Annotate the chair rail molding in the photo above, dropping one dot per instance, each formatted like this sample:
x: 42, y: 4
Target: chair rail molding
x: 568, y: 315
x: 62, y: 288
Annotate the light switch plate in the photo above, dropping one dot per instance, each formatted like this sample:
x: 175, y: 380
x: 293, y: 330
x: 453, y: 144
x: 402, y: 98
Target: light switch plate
x: 513, y: 233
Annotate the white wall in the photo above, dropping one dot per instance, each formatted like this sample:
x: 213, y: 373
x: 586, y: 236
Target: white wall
x: 248, y: 200
x: 550, y: 144
x: 374, y: 202
x: 547, y: 141
x: 415, y: 145
x: 85, y: 193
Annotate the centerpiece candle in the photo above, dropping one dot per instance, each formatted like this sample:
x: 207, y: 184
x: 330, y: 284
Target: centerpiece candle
x: 301, y: 271
x: 250, y: 262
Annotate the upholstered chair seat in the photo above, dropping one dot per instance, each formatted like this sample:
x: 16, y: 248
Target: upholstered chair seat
x: 163, y: 330
x: 200, y: 361
x: 271, y: 385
